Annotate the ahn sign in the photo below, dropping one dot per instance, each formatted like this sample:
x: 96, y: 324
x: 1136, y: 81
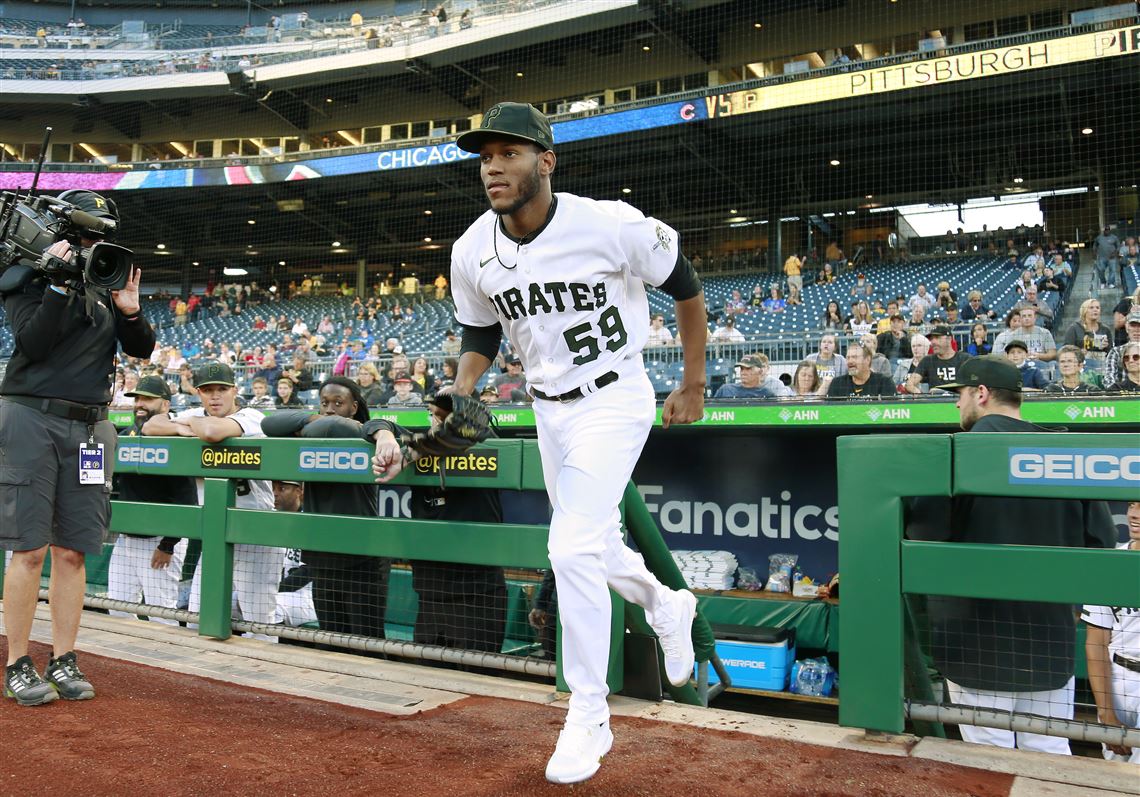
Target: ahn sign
x: 1103, y: 467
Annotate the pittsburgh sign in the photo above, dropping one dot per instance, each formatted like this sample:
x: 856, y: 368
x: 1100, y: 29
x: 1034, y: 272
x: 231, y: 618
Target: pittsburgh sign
x: 934, y: 71
x: 476, y: 462
x: 246, y: 458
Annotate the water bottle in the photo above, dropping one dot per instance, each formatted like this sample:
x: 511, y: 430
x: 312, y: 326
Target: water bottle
x: 810, y: 679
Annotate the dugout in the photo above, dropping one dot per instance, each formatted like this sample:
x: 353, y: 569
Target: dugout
x: 761, y: 478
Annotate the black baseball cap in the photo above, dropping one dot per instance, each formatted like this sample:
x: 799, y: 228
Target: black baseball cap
x: 214, y: 374
x: 1017, y: 344
x: 509, y: 120
x: 991, y: 370
x: 151, y: 387
x: 941, y: 329
x: 512, y: 360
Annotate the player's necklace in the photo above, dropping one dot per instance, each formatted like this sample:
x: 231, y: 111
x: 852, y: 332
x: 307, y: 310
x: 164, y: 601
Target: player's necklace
x: 530, y: 236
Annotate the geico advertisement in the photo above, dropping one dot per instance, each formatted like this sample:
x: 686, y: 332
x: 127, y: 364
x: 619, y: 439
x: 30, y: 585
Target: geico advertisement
x: 334, y: 460
x: 150, y: 456
x: 1101, y: 467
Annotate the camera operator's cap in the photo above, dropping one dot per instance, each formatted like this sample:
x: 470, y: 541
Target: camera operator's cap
x: 1133, y: 317
x: 751, y: 361
x: 90, y: 202
x: 941, y: 329
x: 214, y: 374
x: 993, y: 370
x: 151, y: 387
x: 1017, y: 344
x: 509, y: 120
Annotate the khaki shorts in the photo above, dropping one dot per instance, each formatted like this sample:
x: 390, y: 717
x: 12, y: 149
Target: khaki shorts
x: 41, y: 499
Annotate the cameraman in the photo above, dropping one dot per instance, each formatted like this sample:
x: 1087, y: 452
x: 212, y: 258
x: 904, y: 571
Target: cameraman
x: 53, y: 402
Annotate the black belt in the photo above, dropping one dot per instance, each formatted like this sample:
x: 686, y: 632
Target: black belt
x: 1126, y: 662
x: 86, y: 413
x: 576, y: 393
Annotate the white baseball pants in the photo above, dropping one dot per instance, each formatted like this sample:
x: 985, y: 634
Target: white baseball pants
x: 1048, y: 703
x: 257, y: 574
x: 1126, y: 703
x: 131, y: 578
x: 589, y: 447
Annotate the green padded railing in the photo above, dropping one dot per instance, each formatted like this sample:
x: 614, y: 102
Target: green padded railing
x: 501, y: 464
x: 879, y: 567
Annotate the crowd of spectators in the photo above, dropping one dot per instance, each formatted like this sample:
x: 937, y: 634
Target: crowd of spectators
x: 911, y: 345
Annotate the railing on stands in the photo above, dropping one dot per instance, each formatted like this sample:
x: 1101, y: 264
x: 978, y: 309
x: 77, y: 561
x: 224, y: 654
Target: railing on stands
x: 220, y: 526
x: 259, y: 46
x: 880, y: 567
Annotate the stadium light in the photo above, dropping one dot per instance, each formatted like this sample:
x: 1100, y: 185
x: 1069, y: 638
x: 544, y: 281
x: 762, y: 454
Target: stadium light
x: 251, y: 221
x: 627, y: 190
x: 427, y: 240
x: 195, y: 263
x: 1086, y: 131
x: 280, y: 262
x: 427, y: 212
x: 518, y: 74
x: 235, y: 272
x: 834, y: 161
x: 758, y: 25
x: 646, y: 47
x: 336, y: 243
x: 1018, y: 180
x: 160, y: 246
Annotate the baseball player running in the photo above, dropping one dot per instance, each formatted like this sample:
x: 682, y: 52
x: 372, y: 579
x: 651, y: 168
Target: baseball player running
x: 1113, y: 650
x: 257, y: 568
x: 565, y: 278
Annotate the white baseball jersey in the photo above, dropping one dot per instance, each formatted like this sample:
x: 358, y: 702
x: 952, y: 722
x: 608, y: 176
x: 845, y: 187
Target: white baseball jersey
x: 572, y: 301
x: 1123, y: 623
x: 260, y: 492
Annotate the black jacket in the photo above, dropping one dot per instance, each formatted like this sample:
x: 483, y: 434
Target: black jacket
x: 65, y: 345
x: 326, y: 498
x: 1008, y: 646
x: 442, y: 580
x: 154, y: 489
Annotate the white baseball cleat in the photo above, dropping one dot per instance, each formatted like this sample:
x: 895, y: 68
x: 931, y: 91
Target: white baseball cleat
x: 677, y: 641
x: 579, y: 752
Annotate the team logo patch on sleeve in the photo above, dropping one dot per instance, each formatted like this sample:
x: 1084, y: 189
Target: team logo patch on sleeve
x: 663, y: 239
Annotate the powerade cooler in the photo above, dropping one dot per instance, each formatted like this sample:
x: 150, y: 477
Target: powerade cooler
x: 755, y: 657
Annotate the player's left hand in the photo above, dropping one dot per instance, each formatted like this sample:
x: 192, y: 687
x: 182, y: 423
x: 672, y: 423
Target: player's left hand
x: 686, y: 404
x: 159, y: 560
x: 388, y: 460
x: 127, y: 299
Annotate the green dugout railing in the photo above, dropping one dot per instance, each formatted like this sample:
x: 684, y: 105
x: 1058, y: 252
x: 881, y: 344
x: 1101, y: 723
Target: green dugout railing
x: 880, y: 567
x: 501, y: 464
x: 1098, y: 411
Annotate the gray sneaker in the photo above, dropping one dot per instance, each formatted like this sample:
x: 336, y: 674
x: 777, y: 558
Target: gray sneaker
x: 24, y: 684
x: 63, y: 673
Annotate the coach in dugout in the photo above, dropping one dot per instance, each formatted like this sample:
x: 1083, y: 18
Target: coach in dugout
x: 1005, y: 655
x: 57, y: 449
x: 350, y: 592
x: 147, y: 568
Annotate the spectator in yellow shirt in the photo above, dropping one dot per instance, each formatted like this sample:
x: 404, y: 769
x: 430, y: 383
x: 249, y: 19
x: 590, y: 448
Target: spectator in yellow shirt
x: 793, y: 269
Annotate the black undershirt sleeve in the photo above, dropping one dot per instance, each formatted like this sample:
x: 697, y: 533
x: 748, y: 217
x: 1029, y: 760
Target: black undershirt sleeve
x: 683, y: 283
x: 482, y: 340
